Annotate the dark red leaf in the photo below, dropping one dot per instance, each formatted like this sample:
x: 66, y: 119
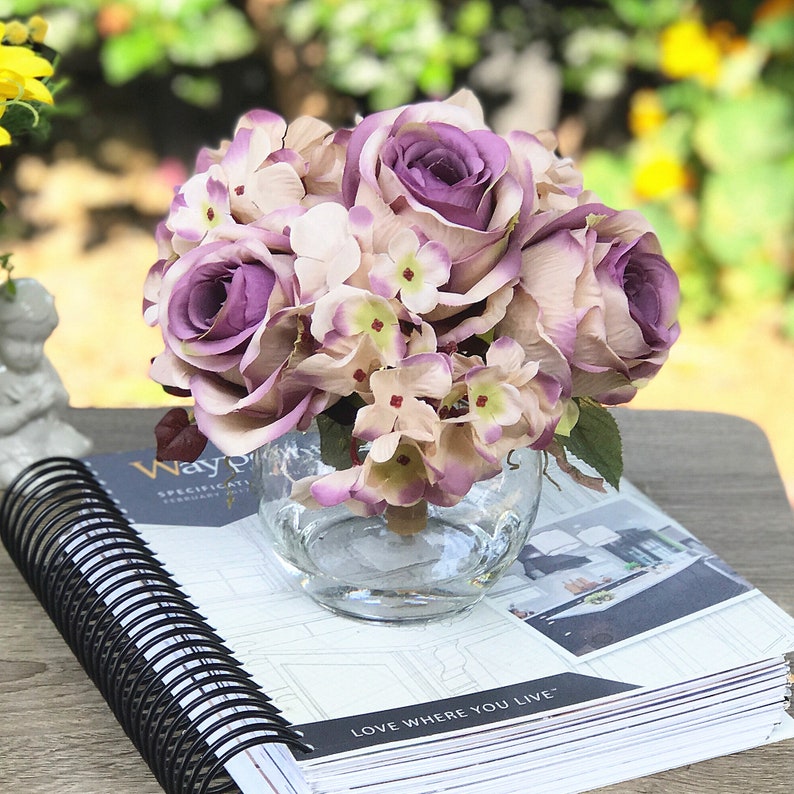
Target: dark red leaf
x: 178, y: 438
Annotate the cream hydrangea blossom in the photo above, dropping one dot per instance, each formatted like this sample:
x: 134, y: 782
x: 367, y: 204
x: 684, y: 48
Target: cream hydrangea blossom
x: 441, y: 293
x: 201, y: 205
x: 402, y: 403
x: 328, y: 251
x: 412, y: 270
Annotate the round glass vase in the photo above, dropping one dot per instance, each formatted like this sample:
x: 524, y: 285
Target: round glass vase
x: 410, y: 564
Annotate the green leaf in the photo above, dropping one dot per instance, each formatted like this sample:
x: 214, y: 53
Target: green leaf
x: 125, y: 57
x: 335, y: 441
x: 222, y: 35
x: 435, y: 78
x: 642, y: 13
x: 746, y: 214
x: 474, y: 17
x: 204, y: 91
x: 595, y: 440
x: 776, y: 32
x: 739, y: 132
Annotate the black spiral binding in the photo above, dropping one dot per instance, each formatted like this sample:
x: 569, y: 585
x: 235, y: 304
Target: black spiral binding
x: 176, y: 689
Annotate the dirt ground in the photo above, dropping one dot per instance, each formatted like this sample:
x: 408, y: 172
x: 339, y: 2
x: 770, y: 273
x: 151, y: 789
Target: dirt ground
x: 90, y: 242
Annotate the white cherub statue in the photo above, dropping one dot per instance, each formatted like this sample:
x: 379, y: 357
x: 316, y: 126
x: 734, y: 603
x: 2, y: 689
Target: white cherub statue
x: 31, y: 392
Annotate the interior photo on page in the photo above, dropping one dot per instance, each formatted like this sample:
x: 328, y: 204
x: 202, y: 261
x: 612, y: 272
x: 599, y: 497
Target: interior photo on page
x: 613, y: 572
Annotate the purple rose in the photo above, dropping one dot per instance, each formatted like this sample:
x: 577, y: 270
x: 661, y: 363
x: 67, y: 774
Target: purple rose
x: 214, y: 298
x: 442, y: 168
x: 596, y: 302
x: 637, y: 321
x: 650, y: 285
x: 231, y: 327
x: 436, y: 168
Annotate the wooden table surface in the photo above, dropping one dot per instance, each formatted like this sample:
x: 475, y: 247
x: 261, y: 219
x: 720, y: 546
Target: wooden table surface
x: 713, y: 473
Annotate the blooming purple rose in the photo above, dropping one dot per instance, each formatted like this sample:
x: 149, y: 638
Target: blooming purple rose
x: 596, y: 303
x: 214, y: 298
x: 637, y: 321
x: 437, y: 168
x: 230, y: 326
x: 445, y: 169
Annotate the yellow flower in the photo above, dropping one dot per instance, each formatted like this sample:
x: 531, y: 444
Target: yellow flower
x: 20, y: 70
x: 5, y: 136
x: 37, y: 27
x: 646, y: 112
x: 659, y: 176
x: 16, y: 32
x: 688, y: 50
x: 20, y: 73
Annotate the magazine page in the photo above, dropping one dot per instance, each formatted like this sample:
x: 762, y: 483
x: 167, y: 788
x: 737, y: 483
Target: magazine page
x: 317, y: 666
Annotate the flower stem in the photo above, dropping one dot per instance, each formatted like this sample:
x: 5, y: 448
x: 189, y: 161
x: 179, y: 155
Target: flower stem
x: 406, y: 520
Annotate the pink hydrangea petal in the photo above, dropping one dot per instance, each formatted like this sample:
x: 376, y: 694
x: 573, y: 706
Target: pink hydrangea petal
x: 273, y: 124
x: 341, y: 375
x: 494, y: 403
x: 506, y: 353
x: 373, y: 421
x: 382, y: 276
x: 361, y: 222
x: 425, y: 374
x: 367, y: 313
x: 203, y: 203
x: 335, y: 487
x: 435, y: 263
x: 273, y: 187
x: 320, y: 231
x: 417, y: 421
x: 398, y: 482
x: 422, y: 340
x: 305, y: 132
x: 457, y: 461
x: 327, y: 251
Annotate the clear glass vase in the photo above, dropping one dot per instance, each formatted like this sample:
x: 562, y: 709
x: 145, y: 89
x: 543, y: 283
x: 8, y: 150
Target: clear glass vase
x: 411, y: 564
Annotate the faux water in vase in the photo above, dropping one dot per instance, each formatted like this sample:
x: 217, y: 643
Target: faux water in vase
x: 410, y: 564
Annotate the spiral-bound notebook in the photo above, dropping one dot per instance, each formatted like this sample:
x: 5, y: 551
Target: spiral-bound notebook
x: 617, y: 645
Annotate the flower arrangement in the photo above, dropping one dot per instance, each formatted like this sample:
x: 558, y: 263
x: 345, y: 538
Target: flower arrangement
x: 432, y: 294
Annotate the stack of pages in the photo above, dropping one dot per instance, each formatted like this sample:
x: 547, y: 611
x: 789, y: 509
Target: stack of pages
x: 618, y: 645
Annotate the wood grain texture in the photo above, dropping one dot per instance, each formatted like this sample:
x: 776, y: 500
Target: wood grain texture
x: 714, y: 473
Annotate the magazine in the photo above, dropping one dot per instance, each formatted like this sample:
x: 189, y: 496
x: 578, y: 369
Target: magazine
x: 613, y: 619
